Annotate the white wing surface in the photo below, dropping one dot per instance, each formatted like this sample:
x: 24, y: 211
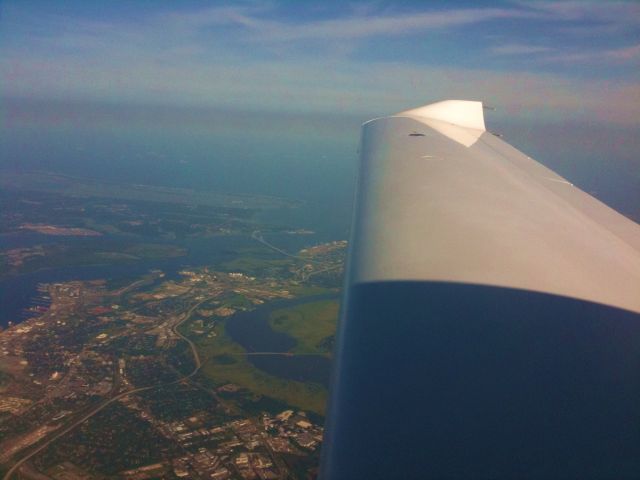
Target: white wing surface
x: 491, y: 323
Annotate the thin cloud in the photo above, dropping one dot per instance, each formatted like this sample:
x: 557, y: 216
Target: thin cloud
x: 624, y: 55
x: 386, y: 25
x: 360, y: 23
x: 609, y: 14
x: 518, y: 49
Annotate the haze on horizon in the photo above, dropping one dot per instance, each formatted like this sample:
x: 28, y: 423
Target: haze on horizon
x: 297, y: 79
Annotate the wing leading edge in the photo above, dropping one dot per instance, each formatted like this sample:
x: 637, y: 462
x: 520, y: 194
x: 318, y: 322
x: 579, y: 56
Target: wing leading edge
x: 491, y: 322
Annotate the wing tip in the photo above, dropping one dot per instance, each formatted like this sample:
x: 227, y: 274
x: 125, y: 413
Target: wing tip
x: 463, y: 113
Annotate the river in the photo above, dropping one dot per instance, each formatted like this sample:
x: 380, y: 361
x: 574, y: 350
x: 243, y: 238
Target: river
x: 253, y: 331
x: 18, y: 292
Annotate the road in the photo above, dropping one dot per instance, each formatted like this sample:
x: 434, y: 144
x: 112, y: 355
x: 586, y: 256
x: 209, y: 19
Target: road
x: 192, y: 346
x: 284, y: 354
x: 108, y: 402
x: 316, y: 272
x: 138, y: 283
x: 257, y: 235
x: 66, y: 430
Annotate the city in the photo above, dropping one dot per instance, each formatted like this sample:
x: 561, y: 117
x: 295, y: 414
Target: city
x: 142, y: 380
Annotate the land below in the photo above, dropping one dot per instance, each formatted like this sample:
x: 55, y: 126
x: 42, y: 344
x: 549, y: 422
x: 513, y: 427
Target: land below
x: 159, y: 374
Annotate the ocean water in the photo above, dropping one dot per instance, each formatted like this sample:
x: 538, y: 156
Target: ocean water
x: 308, y: 158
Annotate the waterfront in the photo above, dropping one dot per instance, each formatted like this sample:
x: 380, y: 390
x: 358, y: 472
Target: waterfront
x: 18, y: 292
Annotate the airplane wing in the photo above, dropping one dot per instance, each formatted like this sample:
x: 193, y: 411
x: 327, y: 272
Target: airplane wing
x: 491, y: 320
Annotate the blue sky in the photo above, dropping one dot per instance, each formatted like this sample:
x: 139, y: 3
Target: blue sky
x: 567, y: 60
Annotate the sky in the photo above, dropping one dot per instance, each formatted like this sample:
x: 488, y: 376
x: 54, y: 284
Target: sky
x: 548, y: 59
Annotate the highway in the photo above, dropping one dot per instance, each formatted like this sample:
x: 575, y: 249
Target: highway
x: 66, y: 430
x: 194, y: 350
x: 283, y: 354
x: 257, y: 235
x: 108, y: 402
